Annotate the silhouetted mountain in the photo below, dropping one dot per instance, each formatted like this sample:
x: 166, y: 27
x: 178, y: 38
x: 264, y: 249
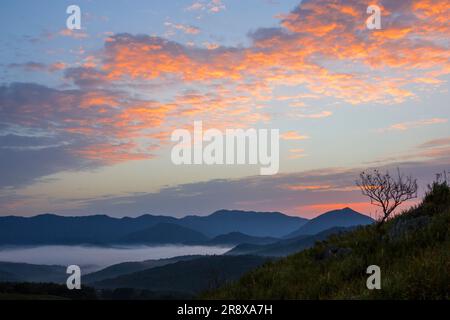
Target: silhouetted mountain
x: 164, y: 233
x: 24, y: 272
x: 102, y: 229
x: 337, y: 218
x: 284, y: 247
x: 130, y: 267
x: 190, y: 277
x: 53, y: 229
x: 258, y: 224
x: 234, y: 238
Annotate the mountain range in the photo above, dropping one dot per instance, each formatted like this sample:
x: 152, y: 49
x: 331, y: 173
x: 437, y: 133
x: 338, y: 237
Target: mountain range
x: 102, y: 229
x: 258, y: 224
x: 224, y: 227
x: 256, y: 237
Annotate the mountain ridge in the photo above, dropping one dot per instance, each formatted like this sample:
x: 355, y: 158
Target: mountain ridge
x: 345, y: 217
x: 50, y: 228
x: 220, y: 227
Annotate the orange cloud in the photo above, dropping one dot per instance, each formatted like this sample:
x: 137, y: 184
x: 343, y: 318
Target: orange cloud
x: 107, y: 126
x: 403, y: 126
x: 323, y: 114
x: 113, y: 153
x: 293, y: 135
x: 309, y: 50
x: 57, y: 66
x: 76, y: 34
x: 305, y: 187
x: 296, y: 153
x: 436, y: 143
x: 313, y: 35
x: 295, y: 53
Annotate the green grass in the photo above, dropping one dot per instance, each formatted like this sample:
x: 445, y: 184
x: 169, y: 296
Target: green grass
x: 414, y: 264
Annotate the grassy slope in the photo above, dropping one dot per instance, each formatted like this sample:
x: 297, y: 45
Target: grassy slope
x: 415, y: 263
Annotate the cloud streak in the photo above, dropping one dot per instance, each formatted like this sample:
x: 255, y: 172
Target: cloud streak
x: 187, y: 29
x: 293, y: 135
x: 404, y: 126
x: 306, y: 194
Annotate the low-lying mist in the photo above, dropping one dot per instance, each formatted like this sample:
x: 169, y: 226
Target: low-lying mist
x: 93, y: 257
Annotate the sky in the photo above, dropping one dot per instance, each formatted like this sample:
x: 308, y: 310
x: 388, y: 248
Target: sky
x: 86, y: 115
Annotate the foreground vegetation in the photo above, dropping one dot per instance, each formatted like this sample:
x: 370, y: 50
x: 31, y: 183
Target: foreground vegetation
x: 43, y: 291
x: 53, y: 291
x: 412, y: 250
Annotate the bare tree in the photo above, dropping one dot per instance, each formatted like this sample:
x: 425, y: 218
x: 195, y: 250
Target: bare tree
x: 385, y: 191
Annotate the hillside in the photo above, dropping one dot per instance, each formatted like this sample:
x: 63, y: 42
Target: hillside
x: 123, y: 268
x: 411, y: 249
x: 345, y: 217
x: 186, y: 277
x: 25, y: 272
x: 286, y: 247
x: 234, y: 238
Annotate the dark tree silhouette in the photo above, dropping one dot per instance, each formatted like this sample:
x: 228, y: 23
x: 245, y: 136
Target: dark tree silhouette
x: 386, y: 191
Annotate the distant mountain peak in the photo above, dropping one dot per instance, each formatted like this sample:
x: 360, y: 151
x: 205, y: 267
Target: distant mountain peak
x: 345, y: 217
x: 345, y: 209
